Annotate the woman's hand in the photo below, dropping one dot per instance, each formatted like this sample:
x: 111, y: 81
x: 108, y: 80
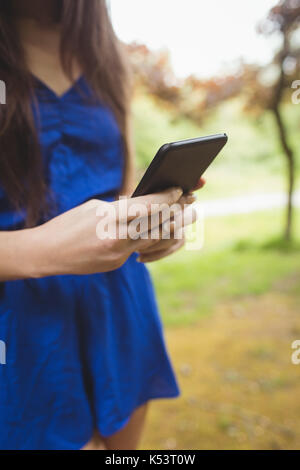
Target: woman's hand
x: 68, y: 244
x: 164, y: 248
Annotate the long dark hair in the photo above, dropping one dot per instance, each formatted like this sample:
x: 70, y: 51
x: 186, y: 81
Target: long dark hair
x: 85, y: 28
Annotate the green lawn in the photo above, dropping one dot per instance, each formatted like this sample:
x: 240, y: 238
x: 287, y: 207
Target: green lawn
x: 237, y: 260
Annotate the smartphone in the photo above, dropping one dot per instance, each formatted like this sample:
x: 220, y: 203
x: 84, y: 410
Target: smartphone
x: 180, y: 164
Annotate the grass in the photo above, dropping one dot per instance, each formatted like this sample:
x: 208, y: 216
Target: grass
x: 236, y: 261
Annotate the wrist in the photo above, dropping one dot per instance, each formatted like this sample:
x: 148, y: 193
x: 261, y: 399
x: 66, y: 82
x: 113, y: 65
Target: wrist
x: 34, y: 254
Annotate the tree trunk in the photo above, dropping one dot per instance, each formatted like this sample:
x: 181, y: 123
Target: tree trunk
x: 291, y: 172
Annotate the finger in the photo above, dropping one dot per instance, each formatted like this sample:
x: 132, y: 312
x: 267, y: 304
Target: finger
x: 159, y: 246
x: 200, y: 184
x: 150, y: 227
x: 171, y: 229
x: 157, y: 255
x: 147, y: 205
x: 175, y: 229
x: 188, y: 217
x: 187, y: 199
x: 142, y: 244
x: 168, y: 230
x: 168, y: 213
x: 151, y: 223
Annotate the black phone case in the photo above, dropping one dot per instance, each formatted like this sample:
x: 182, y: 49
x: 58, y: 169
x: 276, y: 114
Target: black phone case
x: 180, y: 164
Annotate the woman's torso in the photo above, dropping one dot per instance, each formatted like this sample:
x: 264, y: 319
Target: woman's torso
x: 81, y: 148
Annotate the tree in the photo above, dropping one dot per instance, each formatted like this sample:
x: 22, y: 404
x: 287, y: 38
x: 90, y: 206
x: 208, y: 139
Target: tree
x: 284, y: 19
x: 194, y: 98
x: 191, y: 97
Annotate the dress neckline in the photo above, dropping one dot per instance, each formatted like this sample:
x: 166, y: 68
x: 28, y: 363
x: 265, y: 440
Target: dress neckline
x: 50, y: 90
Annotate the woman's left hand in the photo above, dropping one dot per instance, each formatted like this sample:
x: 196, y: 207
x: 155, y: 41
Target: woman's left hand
x: 164, y: 248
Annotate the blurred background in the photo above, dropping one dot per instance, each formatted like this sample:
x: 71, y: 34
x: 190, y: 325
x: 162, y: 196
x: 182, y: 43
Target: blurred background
x: 232, y: 310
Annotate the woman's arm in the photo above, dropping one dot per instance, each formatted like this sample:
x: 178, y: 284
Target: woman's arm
x: 16, y: 254
x: 70, y: 243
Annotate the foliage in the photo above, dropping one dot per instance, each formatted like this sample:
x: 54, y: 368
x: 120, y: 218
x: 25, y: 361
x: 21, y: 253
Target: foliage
x: 197, y: 100
x: 192, y: 97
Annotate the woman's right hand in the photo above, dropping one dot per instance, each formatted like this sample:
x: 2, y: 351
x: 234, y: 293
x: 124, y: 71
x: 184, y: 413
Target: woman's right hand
x: 68, y: 244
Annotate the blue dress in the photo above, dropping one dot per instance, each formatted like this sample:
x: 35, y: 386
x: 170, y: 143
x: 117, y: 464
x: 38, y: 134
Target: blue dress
x: 82, y: 352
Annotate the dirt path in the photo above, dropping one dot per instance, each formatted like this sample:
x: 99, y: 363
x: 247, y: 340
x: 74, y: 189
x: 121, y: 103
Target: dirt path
x: 240, y: 389
x: 247, y: 204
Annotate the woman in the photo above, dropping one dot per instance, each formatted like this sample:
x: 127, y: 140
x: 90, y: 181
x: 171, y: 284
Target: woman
x: 85, y: 350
